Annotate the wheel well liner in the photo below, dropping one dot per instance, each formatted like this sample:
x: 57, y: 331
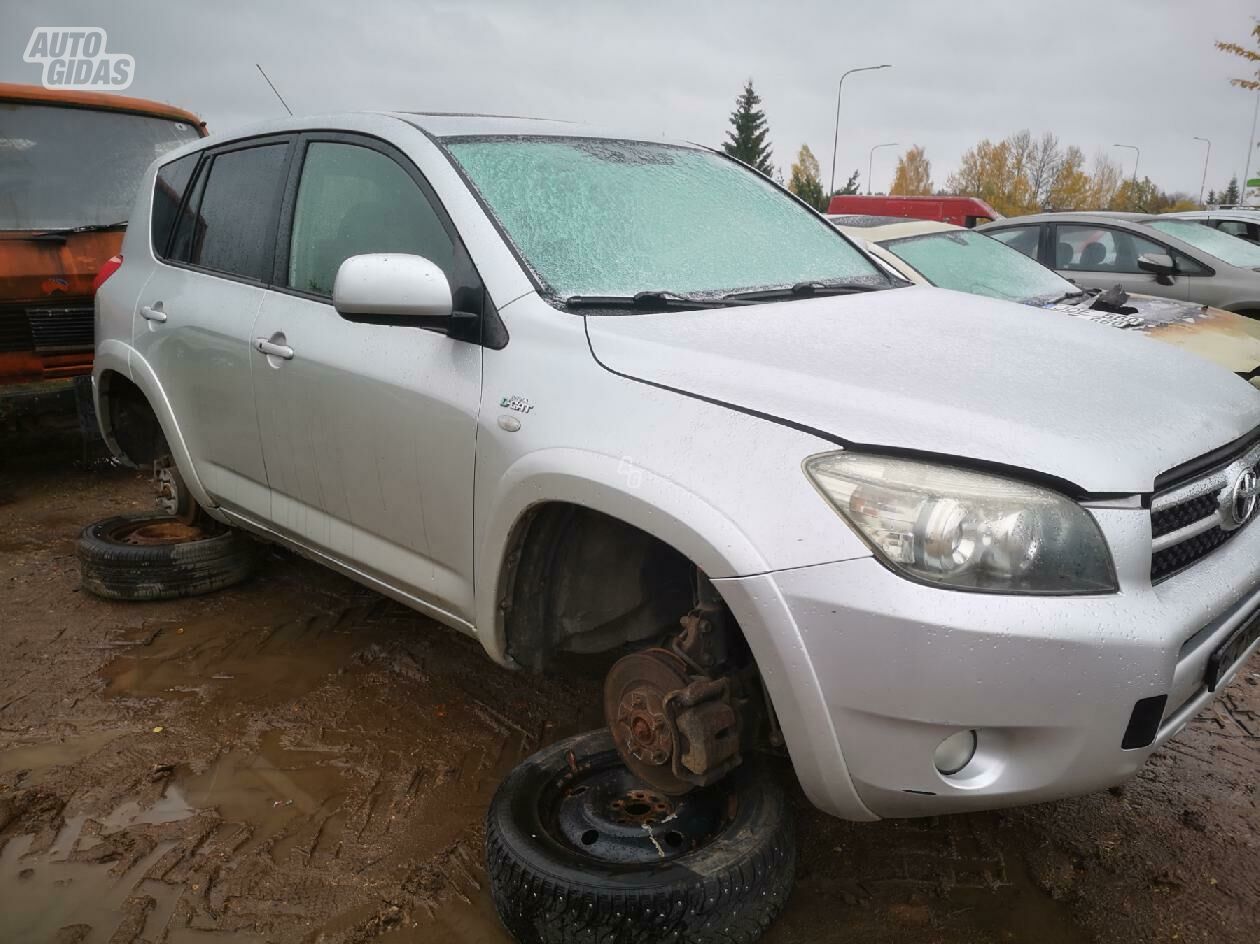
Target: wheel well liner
x: 130, y: 420
x: 579, y: 580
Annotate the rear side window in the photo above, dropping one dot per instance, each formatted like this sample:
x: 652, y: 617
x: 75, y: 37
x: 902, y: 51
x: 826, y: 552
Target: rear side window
x: 354, y: 200
x: 168, y: 191
x: 228, y: 225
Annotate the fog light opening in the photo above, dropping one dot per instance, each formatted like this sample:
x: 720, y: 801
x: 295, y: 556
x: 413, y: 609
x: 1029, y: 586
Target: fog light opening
x: 955, y: 752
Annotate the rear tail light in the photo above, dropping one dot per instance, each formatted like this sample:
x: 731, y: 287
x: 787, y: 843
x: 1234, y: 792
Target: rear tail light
x: 109, y: 268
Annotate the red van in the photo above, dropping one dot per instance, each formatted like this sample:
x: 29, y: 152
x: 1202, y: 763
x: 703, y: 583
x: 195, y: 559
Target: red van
x: 961, y: 211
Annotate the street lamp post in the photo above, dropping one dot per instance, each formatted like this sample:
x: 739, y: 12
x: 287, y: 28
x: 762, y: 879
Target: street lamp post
x: 1137, y: 160
x: 871, y: 163
x: 1206, y: 158
x: 835, y: 142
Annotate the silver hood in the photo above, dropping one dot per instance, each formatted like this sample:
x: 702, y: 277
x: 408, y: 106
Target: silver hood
x: 942, y: 372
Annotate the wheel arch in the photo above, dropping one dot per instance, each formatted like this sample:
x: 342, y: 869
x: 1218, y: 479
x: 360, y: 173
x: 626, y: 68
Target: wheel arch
x: 542, y: 489
x: 136, y: 396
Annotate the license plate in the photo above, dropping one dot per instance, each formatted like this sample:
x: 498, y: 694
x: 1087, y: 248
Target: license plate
x: 1232, y: 650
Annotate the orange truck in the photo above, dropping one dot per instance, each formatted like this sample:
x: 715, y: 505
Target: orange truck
x: 70, y: 163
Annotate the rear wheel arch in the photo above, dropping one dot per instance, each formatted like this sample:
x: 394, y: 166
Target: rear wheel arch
x: 139, y: 427
x: 128, y: 420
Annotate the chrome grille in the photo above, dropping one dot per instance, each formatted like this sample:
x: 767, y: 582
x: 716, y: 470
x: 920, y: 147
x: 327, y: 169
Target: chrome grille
x: 1192, y: 518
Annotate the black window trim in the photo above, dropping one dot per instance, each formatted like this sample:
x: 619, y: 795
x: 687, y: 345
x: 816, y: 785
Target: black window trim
x: 208, y: 155
x: 198, y: 157
x: 494, y: 333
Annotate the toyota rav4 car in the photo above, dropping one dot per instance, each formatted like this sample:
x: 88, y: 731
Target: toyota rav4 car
x: 561, y: 388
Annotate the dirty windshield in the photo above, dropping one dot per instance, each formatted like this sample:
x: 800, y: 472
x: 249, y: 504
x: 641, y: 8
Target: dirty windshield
x: 979, y: 264
x: 62, y: 167
x: 596, y: 217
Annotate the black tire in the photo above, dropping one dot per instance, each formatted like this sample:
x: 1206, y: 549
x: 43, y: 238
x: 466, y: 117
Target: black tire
x: 117, y: 570
x: 728, y: 888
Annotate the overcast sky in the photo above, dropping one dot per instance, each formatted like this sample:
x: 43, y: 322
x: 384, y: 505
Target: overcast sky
x: 1096, y: 72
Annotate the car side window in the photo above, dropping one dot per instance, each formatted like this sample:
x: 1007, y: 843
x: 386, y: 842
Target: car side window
x: 352, y: 200
x: 227, y: 223
x: 1085, y: 248
x: 1023, y: 238
x: 168, y: 191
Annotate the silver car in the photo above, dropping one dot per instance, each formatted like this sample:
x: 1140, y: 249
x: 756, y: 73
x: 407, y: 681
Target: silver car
x: 1245, y: 224
x: 559, y: 387
x: 1153, y: 255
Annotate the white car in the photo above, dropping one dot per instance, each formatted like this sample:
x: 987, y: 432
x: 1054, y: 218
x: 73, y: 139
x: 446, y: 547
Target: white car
x: 562, y: 389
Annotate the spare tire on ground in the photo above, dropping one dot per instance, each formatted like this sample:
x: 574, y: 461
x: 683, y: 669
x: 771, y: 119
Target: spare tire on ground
x: 577, y: 849
x: 159, y: 557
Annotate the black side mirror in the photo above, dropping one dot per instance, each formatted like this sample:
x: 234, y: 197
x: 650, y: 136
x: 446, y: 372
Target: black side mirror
x: 1159, y: 264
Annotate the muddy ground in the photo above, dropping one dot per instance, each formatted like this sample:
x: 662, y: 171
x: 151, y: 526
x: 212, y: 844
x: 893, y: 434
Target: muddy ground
x: 300, y: 760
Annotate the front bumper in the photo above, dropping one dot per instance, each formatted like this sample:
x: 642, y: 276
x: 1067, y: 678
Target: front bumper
x: 869, y: 672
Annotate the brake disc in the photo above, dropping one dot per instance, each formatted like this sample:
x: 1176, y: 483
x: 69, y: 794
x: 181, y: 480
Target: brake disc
x: 634, y: 694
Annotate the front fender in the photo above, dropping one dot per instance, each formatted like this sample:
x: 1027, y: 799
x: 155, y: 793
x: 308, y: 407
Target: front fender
x: 614, y: 486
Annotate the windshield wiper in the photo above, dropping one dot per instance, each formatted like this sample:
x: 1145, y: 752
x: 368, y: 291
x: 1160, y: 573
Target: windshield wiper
x: 64, y: 231
x: 806, y: 290
x: 645, y: 301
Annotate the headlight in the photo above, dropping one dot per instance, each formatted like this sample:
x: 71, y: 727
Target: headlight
x: 965, y: 529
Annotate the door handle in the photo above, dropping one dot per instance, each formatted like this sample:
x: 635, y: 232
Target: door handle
x: 271, y: 349
x: 152, y: 314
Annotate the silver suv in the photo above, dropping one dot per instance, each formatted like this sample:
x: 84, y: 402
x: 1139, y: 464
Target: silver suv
x: 560, y: 388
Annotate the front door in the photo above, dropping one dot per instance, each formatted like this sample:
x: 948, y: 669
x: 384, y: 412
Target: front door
x: 369, y: 429
x: 1101, y: 256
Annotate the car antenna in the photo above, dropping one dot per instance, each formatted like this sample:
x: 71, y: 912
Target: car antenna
x: 274, y: 89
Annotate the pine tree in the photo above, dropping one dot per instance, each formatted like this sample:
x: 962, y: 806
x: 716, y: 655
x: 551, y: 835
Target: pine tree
x: 1211, y: 197
x: 1230, y: 193
x: 747, y: 139
x: 850, y: 188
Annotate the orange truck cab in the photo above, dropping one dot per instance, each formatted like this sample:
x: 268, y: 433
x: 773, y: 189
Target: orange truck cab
x: 961, y: 211
x: 70, y: 163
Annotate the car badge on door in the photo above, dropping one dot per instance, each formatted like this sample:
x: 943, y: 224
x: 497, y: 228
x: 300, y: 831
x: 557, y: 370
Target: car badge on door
x: 1242, y: 500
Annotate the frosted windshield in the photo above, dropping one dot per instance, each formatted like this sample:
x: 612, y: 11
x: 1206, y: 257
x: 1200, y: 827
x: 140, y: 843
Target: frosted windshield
x: 1227, y: 248
x: 603, y: 217
x: 975, y: 263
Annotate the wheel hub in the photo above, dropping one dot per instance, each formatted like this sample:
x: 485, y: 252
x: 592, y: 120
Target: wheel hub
x: 609, y: 815
x: 634, y: 696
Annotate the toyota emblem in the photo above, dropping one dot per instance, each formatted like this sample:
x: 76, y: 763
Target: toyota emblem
x: 1242, y: 499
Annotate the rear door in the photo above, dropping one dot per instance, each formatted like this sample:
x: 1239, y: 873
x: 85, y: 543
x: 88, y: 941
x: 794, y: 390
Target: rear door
x: 369, y: 428
x: 195, y: 315
x: 1095, y: 256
